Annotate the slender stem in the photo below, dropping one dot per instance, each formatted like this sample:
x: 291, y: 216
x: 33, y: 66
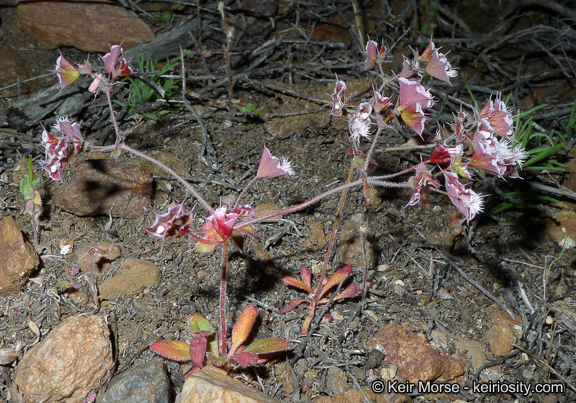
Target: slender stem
x: 299, y: 206
x: 171, y: 172
x: 244, y: 191
x: 113, y: 116
x: 223, y: 339
x: 333, y: 236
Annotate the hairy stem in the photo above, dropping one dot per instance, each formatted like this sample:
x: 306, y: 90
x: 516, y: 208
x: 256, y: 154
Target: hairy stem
x: 333, y: 236
x: 222, y: 339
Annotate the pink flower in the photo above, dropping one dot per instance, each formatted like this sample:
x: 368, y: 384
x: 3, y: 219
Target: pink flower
x: 422, y: 179
x: 85, y: 68
x: 410, y: 68
x: 497, y: 156
x: 466, y: 200
x: 374, y: 56
x: 412, y: 92
x: 57, y: 154
x: 412, y: 100
x: 71, y: 133
x: 359, y: 123
x: 379, y: 101
x: 437, y: 64
x: 67, y: 73
x: 498, y: 117
x: 115, y: 68
x: 338, y: 98
x: 175, y: 222
x: 271, y: 167
x: 59, y: 149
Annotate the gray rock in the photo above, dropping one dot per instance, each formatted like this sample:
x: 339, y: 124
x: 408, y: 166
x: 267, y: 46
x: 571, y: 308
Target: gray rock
x: 147, y: 382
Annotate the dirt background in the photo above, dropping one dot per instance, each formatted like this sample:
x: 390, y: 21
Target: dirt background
x: 289, y: 59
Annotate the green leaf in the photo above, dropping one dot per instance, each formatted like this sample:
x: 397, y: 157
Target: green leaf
x: 265, y: 346
x: 173, y: 350
x: 198, y: 323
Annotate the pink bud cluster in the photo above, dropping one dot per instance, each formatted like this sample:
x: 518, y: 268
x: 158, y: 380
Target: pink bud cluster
x: 60, y: 148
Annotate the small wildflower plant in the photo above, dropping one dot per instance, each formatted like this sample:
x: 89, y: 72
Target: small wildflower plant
x: 476, y: 140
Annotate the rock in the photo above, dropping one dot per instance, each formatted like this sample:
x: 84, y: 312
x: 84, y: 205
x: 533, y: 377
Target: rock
x: 100, y: 186
x: 105, y: 253
x: 415, y: 358
x: 354, y: 396
x: 500, y: 339
x: 145, y: 383
x: 501, y: 317
x: 566, y: 220
x: 89, y: 26
x: 317, y: 232
x: 267, y: 208
x: 18, y: 259
x: 284, y: 375
x: 336, y: 382
x: 211, y: 384
x: 132, y: 276
x: 352, y: 250
x: 12, y: 69
x: 74, y: 360
x: 506, y: 332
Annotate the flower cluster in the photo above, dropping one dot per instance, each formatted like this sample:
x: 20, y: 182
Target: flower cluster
x: 481, y: 140
x: 115, y: 65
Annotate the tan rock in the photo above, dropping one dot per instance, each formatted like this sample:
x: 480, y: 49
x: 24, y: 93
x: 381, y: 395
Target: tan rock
x: 132, y: 276
x: 73, y: 360
x: 89, y: 26
x: 267, y: 208
x: 415, y: 357
x: 353, y: 247
x: 564, y: 219
x: 18, y: 259
x: 317, y: 232
x: 500, y: 339
x: 101, y: 186
x: 213, y: 385
x: 502, y: 318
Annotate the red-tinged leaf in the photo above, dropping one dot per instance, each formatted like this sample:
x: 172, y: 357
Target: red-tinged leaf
x: 245, y: 359
x: 238, y: 239
x: 336, y: 279
x: 349, y: 292
x: 293, y: 281
x: 247, y: 230
x: 307, y: 322
x: 173, y: 350
x: 266, y: 346
x: 306, y: 276
x: 216, y: 359
x: 198, y: 349
x: 204, y: 247
x: 242, y: 328
x: 292, y: 304
x: 191, y: 372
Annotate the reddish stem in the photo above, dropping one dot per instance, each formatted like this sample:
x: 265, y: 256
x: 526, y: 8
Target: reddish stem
x: 222, y: 339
